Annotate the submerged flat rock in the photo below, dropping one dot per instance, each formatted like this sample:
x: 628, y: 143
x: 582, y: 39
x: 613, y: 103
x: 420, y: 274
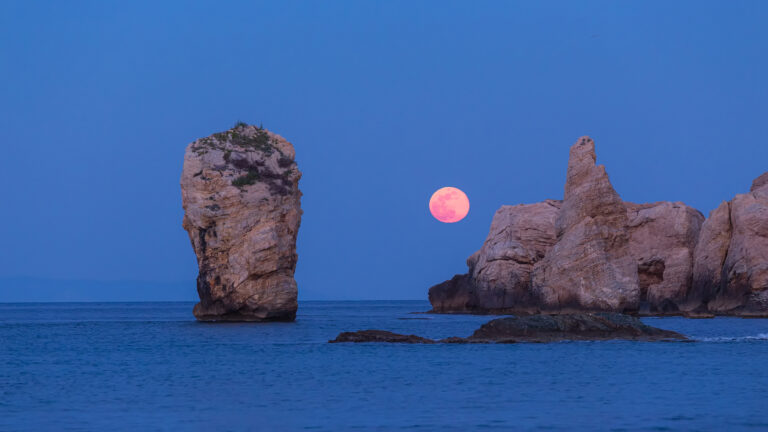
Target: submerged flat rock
x: 378, y: 336
x: 537, y: 329
x: 553, y: 328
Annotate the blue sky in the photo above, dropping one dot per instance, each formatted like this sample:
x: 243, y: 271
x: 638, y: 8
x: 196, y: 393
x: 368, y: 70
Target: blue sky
x: 384, y: 101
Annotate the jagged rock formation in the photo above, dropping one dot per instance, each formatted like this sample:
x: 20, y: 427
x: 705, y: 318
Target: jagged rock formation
x: 537, y: 329
x: 590, y: 266
x: 240, y: 193
x: 594, y: 252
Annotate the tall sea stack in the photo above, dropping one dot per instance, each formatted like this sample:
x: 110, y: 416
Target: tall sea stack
x: 242, y: 204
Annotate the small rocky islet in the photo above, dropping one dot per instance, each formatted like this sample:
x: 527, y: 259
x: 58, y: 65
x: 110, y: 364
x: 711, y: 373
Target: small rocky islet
x: 581, y: 268
x: 537, y: 329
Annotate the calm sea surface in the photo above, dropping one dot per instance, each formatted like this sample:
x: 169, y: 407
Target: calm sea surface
x: 150, y: 366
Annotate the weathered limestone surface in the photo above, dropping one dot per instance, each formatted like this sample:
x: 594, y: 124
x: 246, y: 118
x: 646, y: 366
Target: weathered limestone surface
x: 594, y: 252
x: 242, y: 212
x: 590, y: 266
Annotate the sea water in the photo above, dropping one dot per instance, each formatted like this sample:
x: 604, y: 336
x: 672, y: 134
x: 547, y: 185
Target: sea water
x: 151, y: 366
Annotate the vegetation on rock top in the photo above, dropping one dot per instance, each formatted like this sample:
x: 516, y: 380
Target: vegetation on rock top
x: 259, y: 141
x: 242, y: 136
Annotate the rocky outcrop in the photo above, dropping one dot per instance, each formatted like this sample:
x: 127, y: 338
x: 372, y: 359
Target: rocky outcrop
x: 662, y: 239
x: 731, y: 260
x: 499, y: 278
x: 242, y: 212
x: 590, y: 266
x: 594, y: 252
x: 537, y: 329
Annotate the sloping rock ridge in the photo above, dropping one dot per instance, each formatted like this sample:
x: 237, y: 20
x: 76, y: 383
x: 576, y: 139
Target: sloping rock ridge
x: 594, y: 252
x: 242, y: 211
x: 536, y: 329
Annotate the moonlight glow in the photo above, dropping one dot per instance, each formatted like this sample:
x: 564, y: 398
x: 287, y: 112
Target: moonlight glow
x: 449, y: 205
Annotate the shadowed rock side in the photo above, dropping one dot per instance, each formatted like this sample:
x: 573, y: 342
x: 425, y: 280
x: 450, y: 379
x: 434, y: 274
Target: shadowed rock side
x: 538, y: 329
x: 709, y: 256
x: 458, y: 295
x: 593, y: 252
x: 242, y: 213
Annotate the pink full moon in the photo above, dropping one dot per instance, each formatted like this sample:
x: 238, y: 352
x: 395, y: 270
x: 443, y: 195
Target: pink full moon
x: 449, y: 204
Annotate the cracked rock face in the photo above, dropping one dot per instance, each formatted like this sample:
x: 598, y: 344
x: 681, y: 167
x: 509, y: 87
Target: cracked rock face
x: 662, y: 240
x: 709, y: 256
x: 240, y: 193
x: 499, y: 278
